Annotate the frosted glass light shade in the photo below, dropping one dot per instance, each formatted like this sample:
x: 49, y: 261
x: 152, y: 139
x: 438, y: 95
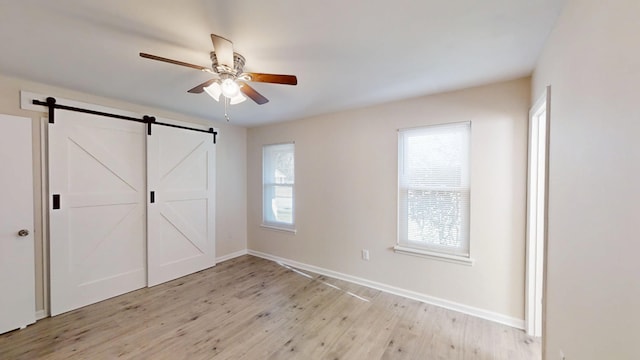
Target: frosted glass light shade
x: 230, y: 88
x: 237, y: 99
x: 214, y: 91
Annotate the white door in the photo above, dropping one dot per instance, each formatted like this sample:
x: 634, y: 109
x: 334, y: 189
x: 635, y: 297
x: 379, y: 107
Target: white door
x: 181, y: 218
x: 17, y: 272
x: 97, y: 236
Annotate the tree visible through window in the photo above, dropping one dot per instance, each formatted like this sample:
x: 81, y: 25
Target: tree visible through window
x: 278, y: 181
x: 434, y: 188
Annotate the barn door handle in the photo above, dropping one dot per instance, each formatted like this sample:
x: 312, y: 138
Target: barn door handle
x: 56, y: 201
x: 152, y: 197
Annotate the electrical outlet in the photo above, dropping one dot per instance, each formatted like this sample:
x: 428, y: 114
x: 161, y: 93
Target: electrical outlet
x: 365, y: 254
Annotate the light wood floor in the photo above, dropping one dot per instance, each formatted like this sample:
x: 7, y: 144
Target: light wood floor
x: 250, y: 308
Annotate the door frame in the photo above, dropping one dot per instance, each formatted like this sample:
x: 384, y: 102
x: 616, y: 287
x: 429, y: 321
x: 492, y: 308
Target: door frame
x: 44, y: 213
x: 537, y: 214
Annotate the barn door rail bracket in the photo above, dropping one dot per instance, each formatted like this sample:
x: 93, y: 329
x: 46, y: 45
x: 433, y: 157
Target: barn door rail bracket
x: 149, y: 120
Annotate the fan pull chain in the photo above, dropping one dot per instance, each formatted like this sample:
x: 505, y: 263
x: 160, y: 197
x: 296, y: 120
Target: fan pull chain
x: 226, y: 104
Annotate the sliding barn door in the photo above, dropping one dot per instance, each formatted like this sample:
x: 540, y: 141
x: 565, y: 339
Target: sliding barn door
x: 181, y: 212
x: 97, y: 208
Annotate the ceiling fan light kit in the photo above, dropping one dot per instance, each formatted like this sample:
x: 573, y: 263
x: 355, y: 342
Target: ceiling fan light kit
x: 231, y: 78
x: 216, y: 89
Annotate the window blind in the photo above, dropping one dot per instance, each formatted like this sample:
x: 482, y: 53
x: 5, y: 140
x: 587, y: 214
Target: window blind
x: 433, y: 186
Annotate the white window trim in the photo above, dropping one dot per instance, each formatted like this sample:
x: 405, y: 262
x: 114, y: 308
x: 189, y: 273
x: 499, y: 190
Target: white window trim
x: 274, y: 225
x: 426, y: 253
x: 456, y: 259
x: 278, y: 228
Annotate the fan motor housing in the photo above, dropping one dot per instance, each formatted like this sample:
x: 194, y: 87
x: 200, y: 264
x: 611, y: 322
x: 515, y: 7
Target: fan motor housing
x: 238, y: 64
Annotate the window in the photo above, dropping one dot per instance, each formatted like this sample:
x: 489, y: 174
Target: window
x: 433, y: 190
x: 278, y: 186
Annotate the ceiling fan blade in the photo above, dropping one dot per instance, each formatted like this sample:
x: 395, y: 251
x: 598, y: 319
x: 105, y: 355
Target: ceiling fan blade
x: 175, y: 62
x: 273, y: 78
x: 223, y: 49
x: 253, y: 94
x: 200, y: 88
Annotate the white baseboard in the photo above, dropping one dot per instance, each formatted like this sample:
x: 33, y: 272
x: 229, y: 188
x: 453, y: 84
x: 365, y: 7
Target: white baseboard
x: 236, y: 254
x: 447, y: 304
x: 41, y: 314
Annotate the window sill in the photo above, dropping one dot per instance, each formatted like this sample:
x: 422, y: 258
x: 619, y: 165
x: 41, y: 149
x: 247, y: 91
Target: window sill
x: 278, y: 228
x: 434, y: 255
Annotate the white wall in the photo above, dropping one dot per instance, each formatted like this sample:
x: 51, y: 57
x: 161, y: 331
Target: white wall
x: 346, y: 176
x: 230, y: 165
x: 592, y: 62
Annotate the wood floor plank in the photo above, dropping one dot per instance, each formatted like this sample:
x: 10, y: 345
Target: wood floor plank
x: 375, y: 327
x: 272, y: 318
x: 302, y: 308
x: 321, y: 329
x: 220, y: 314
x: 251, y: 308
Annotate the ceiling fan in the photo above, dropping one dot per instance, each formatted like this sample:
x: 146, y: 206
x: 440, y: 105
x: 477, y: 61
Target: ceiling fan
x: 230, y: 80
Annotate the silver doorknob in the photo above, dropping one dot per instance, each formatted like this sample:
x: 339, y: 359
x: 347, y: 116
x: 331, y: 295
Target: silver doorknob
x: 23, y: 232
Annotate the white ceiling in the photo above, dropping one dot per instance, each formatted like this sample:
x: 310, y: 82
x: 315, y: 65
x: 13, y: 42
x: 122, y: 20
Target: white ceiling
x: 346, y: 54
